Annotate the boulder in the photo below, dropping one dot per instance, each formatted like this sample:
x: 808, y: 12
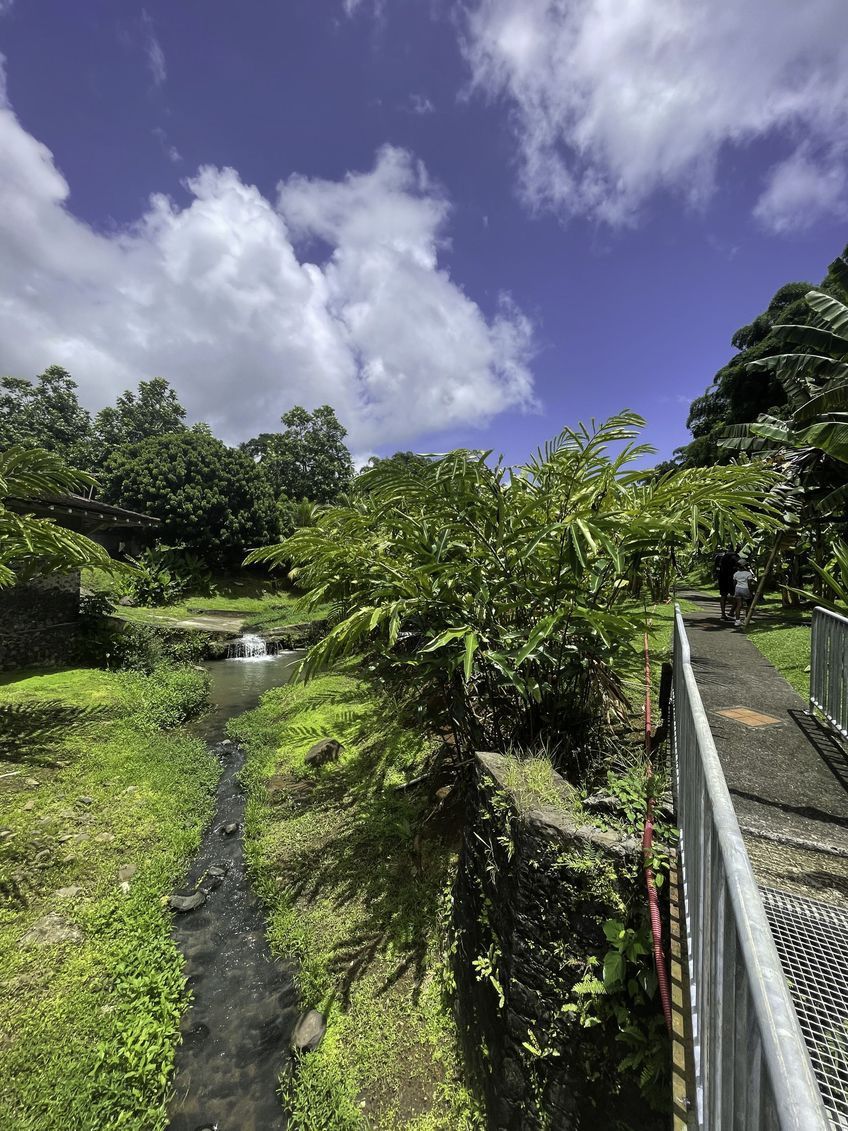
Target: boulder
x: 187, y: 902
x: 229, y: 830
x: 50, y: 930
x: 327, y: 750
x: 309, y: 1031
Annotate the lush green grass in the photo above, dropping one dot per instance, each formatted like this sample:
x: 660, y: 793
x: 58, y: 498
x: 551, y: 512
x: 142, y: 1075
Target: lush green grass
x: 89, y: 1028
x: 359, y: 900
x: 783, y: 637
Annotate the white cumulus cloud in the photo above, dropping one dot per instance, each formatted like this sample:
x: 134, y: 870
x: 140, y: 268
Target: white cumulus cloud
x: 613, y: 101
x: 332, y: 293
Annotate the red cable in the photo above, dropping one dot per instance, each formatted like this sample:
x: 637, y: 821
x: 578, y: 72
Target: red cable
x: 647, y: 845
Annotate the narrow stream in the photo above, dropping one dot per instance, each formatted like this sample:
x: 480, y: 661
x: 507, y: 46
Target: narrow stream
x: 244, y: 1005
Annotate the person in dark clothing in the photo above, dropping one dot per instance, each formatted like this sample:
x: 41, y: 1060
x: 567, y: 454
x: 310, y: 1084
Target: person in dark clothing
x: 725, y: 569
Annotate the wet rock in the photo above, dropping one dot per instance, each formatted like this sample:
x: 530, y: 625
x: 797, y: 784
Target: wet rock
x: 226, y: 741
x: 309, y: 1031
x: 229, y: 830
x: 187, y: 902
x: 327, y: 750
x: 50, y: 930
x: 218, y: 871
x: 68, y: 893
x: 212, y: 883
x: 126, y: 872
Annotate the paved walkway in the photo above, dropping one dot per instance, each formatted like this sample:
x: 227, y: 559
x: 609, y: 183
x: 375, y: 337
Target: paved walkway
x: 787, y: 777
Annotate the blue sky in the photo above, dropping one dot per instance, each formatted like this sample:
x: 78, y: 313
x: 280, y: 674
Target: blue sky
x: 459, y: 223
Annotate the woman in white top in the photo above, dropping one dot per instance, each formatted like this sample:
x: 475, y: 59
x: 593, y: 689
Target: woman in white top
x: 743, y: 587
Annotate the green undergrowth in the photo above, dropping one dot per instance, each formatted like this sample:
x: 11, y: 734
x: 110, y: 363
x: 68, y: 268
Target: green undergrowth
x: 91, y: 790
x: 356, y: 889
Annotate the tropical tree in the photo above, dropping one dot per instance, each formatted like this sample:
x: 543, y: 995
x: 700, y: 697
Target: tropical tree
x: 151, y: 411
x: 46, y: 413
x: 506, y: 593
x: 29, y: 544
x: 211, y: 499
x: 309, y: 459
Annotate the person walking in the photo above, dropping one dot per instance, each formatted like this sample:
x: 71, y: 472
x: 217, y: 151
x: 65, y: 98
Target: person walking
x: 743, y: 587
x: 725, y: 567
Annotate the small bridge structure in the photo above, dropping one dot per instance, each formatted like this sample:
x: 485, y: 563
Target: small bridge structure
x: 762, y: 804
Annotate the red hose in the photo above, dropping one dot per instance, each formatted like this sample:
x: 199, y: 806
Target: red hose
x: 647, y: 846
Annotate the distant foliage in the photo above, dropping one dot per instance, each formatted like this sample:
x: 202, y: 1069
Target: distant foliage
x: 309, y: 459
x: 45, y: 413
x: 500, y: 594
x: 212, y: 499
x: 152, y: 411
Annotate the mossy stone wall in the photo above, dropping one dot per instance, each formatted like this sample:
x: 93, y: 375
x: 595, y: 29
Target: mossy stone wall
x: 532, y: 893
x: 39, y: 621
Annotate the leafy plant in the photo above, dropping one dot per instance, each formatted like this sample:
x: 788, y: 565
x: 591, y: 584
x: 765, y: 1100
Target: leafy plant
x: 29, y: 544
x: 499, y: 592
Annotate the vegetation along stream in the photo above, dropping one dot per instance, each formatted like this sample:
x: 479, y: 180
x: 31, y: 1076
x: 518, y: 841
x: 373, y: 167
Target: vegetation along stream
x: 244, y: 1005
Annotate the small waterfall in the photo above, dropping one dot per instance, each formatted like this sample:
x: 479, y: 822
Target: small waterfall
x: 248, y: 647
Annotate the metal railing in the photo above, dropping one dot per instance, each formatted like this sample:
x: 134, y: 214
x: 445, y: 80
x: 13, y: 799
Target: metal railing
x: 829, y: 668
x: 752, y: 1069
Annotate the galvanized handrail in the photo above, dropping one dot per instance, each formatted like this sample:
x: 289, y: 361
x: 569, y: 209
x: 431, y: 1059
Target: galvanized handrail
x: 829, y: 668
x: 752, y: 1069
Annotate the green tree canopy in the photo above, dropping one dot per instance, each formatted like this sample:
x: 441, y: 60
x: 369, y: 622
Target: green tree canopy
x: 212, y: 499
x: 152, y: 411
x: 46, y: 414
x: 309, y: 459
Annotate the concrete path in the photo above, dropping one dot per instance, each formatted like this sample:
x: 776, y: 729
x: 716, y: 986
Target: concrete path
x: 787, y: 777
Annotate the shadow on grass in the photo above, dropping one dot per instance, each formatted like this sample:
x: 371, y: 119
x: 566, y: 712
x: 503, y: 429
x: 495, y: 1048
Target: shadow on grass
x: 372, y: 857
x: 34, y: 733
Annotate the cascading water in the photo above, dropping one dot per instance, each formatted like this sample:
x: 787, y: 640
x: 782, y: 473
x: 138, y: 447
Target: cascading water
x: 248, y: 647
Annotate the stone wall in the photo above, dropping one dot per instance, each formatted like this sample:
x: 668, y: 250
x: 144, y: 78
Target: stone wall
x: 39, y: 621
x: 533, y: 891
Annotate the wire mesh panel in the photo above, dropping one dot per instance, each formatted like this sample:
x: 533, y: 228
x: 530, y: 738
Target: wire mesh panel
x: 811, y: 940
x: 753, y: 1072
x: 829, y: 668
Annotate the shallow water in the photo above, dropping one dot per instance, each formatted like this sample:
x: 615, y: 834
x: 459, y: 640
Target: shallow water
x: 236, y: 1032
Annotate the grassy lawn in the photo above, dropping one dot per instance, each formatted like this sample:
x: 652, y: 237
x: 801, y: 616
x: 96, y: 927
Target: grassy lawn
x: 360, y: 902
x: 100, y: 812
x: 783, y: 637
x: 257, y: 602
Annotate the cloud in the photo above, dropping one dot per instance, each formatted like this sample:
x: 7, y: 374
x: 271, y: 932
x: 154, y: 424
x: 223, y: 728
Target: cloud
x: 153, y: 50
x: 801, y: 189
x: 421, y: 104
x: 612, y: 102
x: 220, y: 297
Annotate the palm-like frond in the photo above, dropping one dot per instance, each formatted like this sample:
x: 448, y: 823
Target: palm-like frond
x: 31, y: 545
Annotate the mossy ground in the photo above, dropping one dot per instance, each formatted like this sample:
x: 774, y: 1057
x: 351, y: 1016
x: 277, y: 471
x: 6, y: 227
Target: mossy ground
x: 356, y: 889
x: 89, y: 1029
